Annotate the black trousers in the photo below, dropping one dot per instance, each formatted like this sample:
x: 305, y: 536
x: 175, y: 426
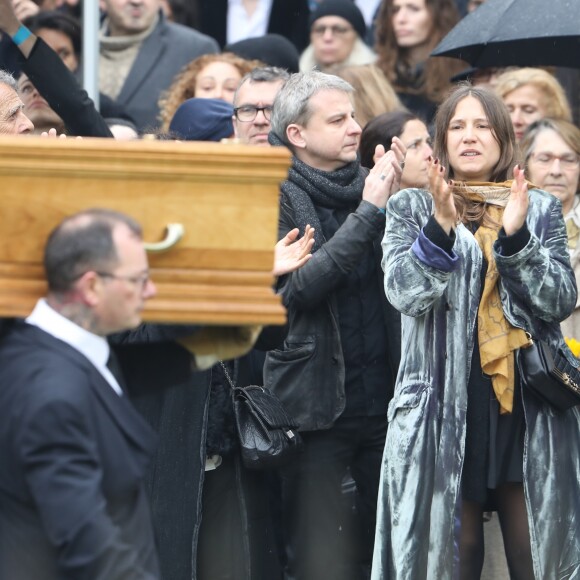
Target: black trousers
x: 323, y: 538
x: 236, y: 539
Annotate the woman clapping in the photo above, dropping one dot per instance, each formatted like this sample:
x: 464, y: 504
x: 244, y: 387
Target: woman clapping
x: 473, y: 264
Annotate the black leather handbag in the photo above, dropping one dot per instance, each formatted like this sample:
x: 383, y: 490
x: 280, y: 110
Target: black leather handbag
x: 549, y: 375
x: 268, y: 436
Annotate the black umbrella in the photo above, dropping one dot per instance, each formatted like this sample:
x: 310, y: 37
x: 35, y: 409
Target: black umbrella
x: 517, y: 33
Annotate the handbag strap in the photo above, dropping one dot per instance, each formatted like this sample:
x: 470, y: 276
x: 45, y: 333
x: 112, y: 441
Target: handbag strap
x: 227, y: 374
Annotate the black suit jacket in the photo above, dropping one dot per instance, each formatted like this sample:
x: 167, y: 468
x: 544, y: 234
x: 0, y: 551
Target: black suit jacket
x: 73, y: 456
x: 288, y: 18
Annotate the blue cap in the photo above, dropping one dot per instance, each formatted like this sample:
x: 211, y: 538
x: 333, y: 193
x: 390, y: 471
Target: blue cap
x: 203, y: 120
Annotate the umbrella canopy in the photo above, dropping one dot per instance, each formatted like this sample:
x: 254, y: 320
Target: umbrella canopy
x: 517, y: 33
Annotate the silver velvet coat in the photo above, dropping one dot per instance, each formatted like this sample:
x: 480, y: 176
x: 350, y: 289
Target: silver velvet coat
x: 419, y: 498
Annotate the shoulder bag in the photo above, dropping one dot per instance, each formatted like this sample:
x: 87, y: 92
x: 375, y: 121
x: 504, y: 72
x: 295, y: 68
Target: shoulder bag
x: 268, y: 435
x: 549, y: 375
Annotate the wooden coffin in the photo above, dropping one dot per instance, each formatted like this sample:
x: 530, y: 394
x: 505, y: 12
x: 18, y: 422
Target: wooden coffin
x: 224, y: 196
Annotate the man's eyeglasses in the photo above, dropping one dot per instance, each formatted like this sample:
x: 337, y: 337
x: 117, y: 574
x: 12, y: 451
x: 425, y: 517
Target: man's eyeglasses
x: 247, y: 113
x: 335, y: 30
x: 568, y: 161
x: 140, y: 281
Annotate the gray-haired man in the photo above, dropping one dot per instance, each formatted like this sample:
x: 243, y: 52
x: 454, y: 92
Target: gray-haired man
x: 13, y: 121
x: 336, y: 370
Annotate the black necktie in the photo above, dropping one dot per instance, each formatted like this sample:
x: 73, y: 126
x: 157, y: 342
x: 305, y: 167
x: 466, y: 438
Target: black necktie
x: 115, y: 368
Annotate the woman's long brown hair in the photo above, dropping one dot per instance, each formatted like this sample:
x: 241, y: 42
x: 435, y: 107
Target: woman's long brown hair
x: 502, y: 131
x: 438, y: 70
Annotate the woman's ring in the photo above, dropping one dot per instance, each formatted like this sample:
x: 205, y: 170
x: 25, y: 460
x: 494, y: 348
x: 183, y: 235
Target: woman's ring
x: 382, y: 177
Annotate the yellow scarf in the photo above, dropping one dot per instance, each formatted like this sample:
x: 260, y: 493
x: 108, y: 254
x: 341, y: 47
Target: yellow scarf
x: 573, y: 232
x: 498, y: 339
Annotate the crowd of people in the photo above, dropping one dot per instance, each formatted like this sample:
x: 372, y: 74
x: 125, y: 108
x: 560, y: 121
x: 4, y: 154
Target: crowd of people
x: 429, y: 229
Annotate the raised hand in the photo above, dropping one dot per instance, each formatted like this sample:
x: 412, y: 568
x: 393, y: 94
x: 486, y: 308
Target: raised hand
x: 25, y: 9
x: 11, y: 13
x: 52, y: 134
x: 400, y: 151
x: 384, y: 178
x: 8, y: 20
x: 445, y: 211
x: 516, y: 210
x: 291, y: 253
x: 379, y: 152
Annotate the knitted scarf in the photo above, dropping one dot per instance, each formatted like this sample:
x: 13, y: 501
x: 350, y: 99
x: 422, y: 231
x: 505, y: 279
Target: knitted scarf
x: 498, y: 339
x: 307, y: 187
x: 117, y: 55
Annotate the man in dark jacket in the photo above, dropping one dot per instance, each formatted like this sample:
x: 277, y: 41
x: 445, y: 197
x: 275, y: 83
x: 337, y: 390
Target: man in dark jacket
x: 72, y: 448
x: 335, y: 372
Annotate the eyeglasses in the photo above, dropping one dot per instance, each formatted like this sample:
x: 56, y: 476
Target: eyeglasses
x: 140, y: 281
x: 247, y: 113
x: 335, y: 30
x: 568, y: 161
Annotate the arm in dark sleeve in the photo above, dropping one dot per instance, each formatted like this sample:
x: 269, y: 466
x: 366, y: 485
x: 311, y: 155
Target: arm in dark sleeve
x: 336, y: 258
x: 62, y: 92
x: 63, y: 470
x: 9, y: 55
x: 151, y: 359
x: 436, y: 234
x: 150, y: 332
x: 154, y: 366
x: 510, y: 245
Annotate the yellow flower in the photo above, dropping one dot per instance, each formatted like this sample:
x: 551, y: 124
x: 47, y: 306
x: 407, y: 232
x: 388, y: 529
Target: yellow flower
x: 574, y: 346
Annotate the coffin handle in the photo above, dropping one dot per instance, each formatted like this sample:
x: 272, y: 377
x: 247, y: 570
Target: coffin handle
x: 173, y: 233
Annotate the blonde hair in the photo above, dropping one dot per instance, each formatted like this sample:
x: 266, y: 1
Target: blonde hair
x: 567, y: 131
x: 373, y: 93
x: 360, y: 54
x: 183, y: 86
x: 553, y: 97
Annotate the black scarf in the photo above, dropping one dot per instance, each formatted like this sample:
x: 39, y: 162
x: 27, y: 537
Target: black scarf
x: 307, y: 187
x: 410, y: 79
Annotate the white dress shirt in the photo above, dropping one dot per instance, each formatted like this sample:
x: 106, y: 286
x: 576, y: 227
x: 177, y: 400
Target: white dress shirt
x: 93, y: 347
x: 368, y: 9
x: 242, y: 26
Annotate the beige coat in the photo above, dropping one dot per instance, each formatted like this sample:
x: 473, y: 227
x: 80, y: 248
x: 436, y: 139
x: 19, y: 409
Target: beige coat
x: 361, y: 54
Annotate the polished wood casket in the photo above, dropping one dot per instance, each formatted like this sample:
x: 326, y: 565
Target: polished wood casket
x: 215, y: 207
